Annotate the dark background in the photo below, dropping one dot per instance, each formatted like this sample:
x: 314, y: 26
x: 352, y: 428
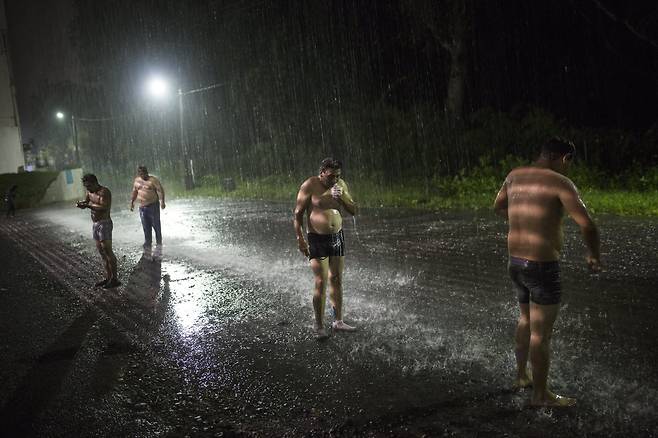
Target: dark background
x: 365, y: 80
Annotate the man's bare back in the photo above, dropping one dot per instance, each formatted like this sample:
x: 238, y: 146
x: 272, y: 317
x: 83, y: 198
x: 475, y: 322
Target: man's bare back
x: 535, y: 212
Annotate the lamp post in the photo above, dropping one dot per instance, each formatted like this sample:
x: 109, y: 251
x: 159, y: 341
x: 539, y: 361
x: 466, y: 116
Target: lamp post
x: 188, y: 178
x: 74, y: 135
x: 159, y: 88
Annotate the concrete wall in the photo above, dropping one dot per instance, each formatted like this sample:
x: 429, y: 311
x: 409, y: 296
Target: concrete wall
x: 66, y: 187
x: 11, y: 149
x: 11, y: 152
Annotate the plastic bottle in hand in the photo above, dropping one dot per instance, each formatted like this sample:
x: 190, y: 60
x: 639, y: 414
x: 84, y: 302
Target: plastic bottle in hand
x: 336, y: 191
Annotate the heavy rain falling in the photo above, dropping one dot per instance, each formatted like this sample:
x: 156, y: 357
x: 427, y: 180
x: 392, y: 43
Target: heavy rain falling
x: 207, y: 122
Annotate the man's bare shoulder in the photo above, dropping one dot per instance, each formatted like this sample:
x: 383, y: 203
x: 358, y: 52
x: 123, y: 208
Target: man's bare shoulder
x: 310, y: 184
x: 539, y: 174
x: 104, y: 191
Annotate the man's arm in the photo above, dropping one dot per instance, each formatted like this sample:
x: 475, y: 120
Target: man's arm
x: 160, y: 191
x: 500, y: 204
x: 133, y: 196
x: 303, y: 200
x: 575, y: 207
x: 346, y: 199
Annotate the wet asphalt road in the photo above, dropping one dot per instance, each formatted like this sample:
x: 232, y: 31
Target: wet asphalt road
x: 215, y: 338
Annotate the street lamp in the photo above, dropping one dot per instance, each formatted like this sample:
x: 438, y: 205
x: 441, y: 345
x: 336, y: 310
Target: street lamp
x: 74, y: 135
x: 159, y: 88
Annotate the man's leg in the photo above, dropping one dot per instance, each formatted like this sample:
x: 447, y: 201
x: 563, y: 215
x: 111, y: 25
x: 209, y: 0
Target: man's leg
x: 522, y: 341
x: 542, y: 318
x: 336, y: 265
x: 106, y: 264
x: 320, y: 268
x: 156, y: 224
x: 111, y: 263
x: 147, y: 222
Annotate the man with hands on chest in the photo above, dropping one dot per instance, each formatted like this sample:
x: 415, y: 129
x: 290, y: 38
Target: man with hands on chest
x: 321, y: 199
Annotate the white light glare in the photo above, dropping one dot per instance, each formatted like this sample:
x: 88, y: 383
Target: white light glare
x: 158, y: 87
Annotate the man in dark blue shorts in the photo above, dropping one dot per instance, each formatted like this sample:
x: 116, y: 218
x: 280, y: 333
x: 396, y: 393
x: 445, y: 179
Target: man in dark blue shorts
x: 533, y: 199
x: 99, y: 201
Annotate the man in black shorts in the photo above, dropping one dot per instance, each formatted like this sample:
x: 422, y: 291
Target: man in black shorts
x: 533, y: 199
x: 322, y: 198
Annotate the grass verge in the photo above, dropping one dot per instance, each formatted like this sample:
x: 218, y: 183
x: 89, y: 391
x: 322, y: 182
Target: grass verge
x: 460, y: 192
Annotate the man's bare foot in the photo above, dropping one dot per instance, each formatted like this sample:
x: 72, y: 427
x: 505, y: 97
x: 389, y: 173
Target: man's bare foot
x: 340, y: 325
x: 553, y: 401
x: 112, y: 284
x: 523, y: 382
x: 320, y: 333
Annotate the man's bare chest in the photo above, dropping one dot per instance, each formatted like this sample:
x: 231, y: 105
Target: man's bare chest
x: 144, y: 186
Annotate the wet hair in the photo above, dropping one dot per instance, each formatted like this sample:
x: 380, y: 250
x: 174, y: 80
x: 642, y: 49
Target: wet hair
x: 141, y: 169
x: 557, y: 147
x: 330, y: 163
x: 89, y: 177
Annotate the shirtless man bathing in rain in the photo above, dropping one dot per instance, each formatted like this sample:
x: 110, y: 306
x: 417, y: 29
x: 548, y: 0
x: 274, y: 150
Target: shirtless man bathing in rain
x: 99, y: 201
x: 321, y: 198
x: 534, y: 199
x: 148, y: 190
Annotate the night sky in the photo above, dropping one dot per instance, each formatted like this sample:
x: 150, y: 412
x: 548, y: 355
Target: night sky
x: 590, y: 63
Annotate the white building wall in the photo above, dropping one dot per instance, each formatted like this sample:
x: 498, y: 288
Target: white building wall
x: 11, y: 149
x: 67, y: 187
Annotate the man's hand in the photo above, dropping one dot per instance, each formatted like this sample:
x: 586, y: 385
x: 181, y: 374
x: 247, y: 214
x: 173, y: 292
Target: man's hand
x: 162, y: 205
x: 82, y: 204
x: 594, y: 264
x: 303, y: 246
x: 132, y: 206
x: 336, y: 191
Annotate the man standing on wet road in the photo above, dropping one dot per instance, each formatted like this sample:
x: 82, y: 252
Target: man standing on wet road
x: 321, y: 198
x: 99, y: 201
x: 148, y: 190
x: 533, y: 199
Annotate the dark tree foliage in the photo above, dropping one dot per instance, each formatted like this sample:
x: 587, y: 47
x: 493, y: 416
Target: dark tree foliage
x: 377, y: 83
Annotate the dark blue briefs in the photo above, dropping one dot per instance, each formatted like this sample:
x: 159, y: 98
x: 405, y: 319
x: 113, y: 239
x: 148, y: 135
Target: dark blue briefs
x: 538, y: 282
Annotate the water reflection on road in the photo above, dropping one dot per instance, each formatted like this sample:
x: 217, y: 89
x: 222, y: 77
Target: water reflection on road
x: 428, y: 291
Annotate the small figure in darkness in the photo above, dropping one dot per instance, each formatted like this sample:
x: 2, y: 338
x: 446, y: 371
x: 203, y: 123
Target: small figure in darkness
x: 148, y: 190
x: 533, y: 199
x: 10, y: 200
x: 99, y: 201
x: 321, y: 198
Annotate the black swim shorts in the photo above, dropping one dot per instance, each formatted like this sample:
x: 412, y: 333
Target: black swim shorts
x: 538, y: 282
x: 326, y: 245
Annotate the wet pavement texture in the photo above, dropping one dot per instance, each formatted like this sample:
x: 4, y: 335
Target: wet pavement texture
x: 215, y: 339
